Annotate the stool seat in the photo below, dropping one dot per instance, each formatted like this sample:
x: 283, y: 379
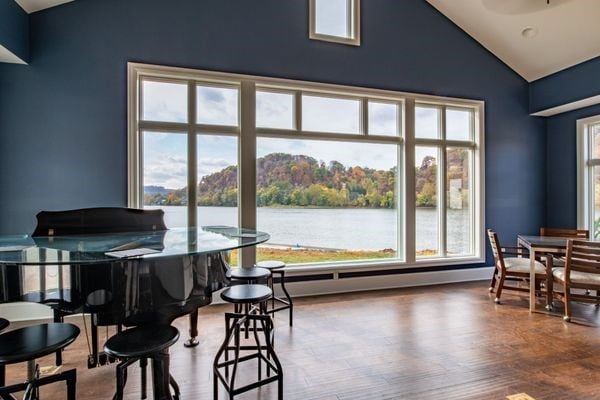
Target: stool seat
x: 253, y: 273
x: 271, y: 264
x: 246, y: 294
x: 141, y: 341
x: 4, y: 323
x: 29, y: 343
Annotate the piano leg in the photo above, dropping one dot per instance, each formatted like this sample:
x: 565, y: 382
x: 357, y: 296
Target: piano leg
x: 193, y: 340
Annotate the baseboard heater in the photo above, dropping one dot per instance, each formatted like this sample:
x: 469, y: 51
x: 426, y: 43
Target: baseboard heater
x: 374, y: 272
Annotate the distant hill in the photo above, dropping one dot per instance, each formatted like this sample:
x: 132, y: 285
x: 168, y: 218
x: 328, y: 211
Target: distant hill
x: 299, y: 180
x: 157, y: 190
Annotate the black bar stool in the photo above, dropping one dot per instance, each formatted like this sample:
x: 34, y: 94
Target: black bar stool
x: 32, y: 342
x: 278, y: 267
x: 255, y: 296
x: 249, y: 276
x: 139, y: 344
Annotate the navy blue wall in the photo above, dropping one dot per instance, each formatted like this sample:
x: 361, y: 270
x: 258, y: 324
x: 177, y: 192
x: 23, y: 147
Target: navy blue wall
x: 63, y: 122
x: 576, y: 83
x: 562, y: 166
x: 14, y: 29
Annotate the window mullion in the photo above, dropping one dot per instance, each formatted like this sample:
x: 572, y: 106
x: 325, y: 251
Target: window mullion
x: 192, y: 153
x: 410, y: 202
x: 247, y: 167
x: 298, y: 110
x: 442, y: 185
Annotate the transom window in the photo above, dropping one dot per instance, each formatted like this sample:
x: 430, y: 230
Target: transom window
x: 335, y: 21
x: 588, y: 168
x: 337, y: 175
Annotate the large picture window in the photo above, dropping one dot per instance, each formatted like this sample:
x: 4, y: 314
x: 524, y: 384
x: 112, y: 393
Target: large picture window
x: 588, y: 154
x: 338, y: 176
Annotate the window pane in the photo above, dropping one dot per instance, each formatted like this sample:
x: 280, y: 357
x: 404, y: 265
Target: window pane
x: 326, y: 201
x: 218, y: 105
x: 458, y: 124
x: 427, y: 212
x: 332, y: 17
x: 327, y: 114
x: 165, y: 102
x: 427, y: 122
x: 596, y: 206
x: 165, y: 175
x: 383, y: 119
x: 217, y: 176
x: 274, y: 110
x: 595, y: 132
x: 458, y: 202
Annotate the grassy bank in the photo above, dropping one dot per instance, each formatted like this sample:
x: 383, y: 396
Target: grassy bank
x: 307, y: 256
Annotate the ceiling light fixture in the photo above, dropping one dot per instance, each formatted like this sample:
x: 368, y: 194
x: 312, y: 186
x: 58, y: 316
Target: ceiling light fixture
x: 529, y: 32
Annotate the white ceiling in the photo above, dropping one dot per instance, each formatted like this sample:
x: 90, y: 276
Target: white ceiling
x: 37, y: 5
x: 568, y: 31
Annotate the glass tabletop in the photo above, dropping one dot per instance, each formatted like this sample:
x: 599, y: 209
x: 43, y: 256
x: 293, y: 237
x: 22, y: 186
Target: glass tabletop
x: 546, y: 241
x: 104, y: 248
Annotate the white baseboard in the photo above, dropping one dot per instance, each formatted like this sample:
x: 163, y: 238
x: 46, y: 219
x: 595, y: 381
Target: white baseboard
x: 30, y: 311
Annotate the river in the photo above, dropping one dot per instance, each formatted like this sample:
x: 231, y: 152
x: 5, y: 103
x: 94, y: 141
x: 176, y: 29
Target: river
x: 347, y: 228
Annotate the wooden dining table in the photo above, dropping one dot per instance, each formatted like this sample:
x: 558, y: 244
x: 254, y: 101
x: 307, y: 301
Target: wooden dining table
x: 538, y: 246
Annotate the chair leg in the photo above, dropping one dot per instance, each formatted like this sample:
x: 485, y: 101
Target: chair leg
x: 549, y: 293
x: 143, y: 365
x: 175, y: 386
x: 120, y: 382
x: 499, y: 290
x: 58, y: 318
x: 72, y: 385
x: 288, y: 297
x: 493, y: 281
x: 567, y: 295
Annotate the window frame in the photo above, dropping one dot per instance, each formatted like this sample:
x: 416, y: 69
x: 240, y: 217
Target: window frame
x: 585, y: 170
x: 247, y: 134
x: 353, y: 25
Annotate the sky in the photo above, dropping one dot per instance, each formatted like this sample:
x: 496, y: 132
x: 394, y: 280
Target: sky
x: 165, y: 154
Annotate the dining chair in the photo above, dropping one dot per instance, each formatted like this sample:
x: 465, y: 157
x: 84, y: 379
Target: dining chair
x: 570, y: 233
x: 515, y: 267
x: 581, y: 271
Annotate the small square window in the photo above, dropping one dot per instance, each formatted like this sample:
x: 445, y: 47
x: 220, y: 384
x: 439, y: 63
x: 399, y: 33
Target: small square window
x: 335, y: 21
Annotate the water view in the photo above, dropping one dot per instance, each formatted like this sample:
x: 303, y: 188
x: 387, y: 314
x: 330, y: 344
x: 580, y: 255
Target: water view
x: 370, y: 230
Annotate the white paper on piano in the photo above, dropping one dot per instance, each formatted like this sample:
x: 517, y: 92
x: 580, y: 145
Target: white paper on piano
x: 131, y: 252
x: 12, y: 248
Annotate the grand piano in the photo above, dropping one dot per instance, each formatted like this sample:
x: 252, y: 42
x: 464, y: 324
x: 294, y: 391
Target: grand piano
x: 121, y: 266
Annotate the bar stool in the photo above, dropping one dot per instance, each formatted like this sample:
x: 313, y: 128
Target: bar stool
x: 249, y: 276
x: 278, y: 267
x: 32, y: 342
x: 139, y: 344
x: 255, y: 296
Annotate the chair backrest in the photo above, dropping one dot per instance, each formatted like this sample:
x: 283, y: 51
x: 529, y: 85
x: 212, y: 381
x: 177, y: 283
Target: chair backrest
x: 496, y: 249
x: 565, y: 232
x: 582, y: 256
x: 98, y: 220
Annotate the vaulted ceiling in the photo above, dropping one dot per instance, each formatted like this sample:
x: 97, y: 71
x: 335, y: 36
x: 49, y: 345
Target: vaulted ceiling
x: 534, y: 37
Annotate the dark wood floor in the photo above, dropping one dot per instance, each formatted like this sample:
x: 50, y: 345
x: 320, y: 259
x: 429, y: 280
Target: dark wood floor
x: 444, y: 342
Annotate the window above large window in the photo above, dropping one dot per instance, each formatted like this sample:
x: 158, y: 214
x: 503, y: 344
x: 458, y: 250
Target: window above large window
x: 335, y: 21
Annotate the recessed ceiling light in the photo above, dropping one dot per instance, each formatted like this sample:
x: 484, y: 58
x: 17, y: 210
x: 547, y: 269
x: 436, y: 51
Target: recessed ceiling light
x: 529, y: 32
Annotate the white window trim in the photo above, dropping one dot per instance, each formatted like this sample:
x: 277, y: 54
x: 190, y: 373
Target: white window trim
x: 247, y: 132
x: 354, y: 21
x: 585, y: 195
